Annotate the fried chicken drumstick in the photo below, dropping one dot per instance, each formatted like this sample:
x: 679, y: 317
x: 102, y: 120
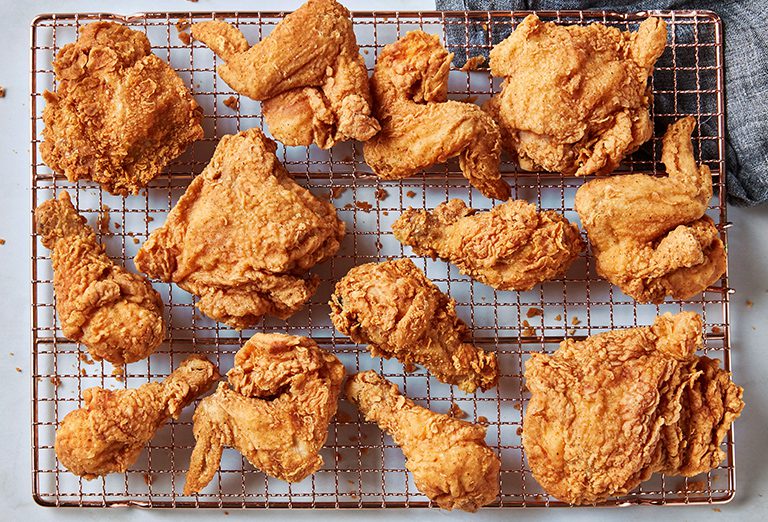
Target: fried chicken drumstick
x: 109, y: 432
x: 281, y: 396
x: 607, y: 412
x: 402, y: 314
x: 120, y: 113
x: 243, y: 235
x: 649, y: 234
x: 308, y: 72
x: 420, y: 126
x: 575, y: 99
x: 449, y: 459
x: 510, y: 247
x: 117, y: 315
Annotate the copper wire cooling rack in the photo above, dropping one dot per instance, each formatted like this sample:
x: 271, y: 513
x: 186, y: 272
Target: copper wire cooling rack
x: 362, y: 467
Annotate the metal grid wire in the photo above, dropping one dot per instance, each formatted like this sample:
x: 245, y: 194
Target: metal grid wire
x: 363, y: 468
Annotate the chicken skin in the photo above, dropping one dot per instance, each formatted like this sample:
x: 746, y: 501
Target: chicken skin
x: 420, y: 126
x: 117, y: 315
x: 308, y: 72
x: 109, y: 432
x: 649, y: 234
x: 575, y: 99
x: 607, y: 412
x: 243, y: 234
x: 449, y: 459
x: 281, y: 396
x: 511, y: 247
x: 402, y: 314
x: 120, y: 113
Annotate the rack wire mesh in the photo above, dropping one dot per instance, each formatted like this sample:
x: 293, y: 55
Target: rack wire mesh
x: 363, y: 468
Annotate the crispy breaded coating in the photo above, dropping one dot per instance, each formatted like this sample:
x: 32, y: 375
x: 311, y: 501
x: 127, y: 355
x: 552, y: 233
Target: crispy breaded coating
x: 511, y: 247
x: 607, y: 412
x: 420, y: 126
x: 308, y: 71
x: 275, y: 410
x: 116, y: 314
x: 649, y: 234
x: 575, y: 98
x: 120, y: 113
x: 110, y: 431
x: 402, y: 314
x: 243, y: 235
x: 449, y: 459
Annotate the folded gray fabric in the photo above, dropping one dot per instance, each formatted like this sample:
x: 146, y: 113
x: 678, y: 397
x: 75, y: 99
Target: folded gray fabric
x: 746, y: 75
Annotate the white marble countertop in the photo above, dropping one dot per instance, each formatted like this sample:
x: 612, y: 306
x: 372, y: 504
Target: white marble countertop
x: 748, y: 268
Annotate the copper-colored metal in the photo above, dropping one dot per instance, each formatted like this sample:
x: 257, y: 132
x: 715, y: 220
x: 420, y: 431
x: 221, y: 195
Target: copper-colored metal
x: 363, y: 469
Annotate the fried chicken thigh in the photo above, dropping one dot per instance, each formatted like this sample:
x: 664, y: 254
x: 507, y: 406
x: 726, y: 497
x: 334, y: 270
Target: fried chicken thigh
x: 402, y: 314
x: 117, y: 315
x: 420, y: 126
x: 243, y: 235
x: 109, y: 432
x: 449, y: 459
x: 575, y: 99
x: 607, y: 412
x: 120, y: 113
x: 649, y: 234
x: 281, y: 396
x: 511, y: 247
x: 308, y: 72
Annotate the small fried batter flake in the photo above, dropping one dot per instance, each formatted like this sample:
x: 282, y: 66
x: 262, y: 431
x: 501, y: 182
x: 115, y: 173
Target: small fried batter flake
x: 420, y: 126
x: 308, y: 72
x: 402, y: 314
x: 511, y: 247
x: 120, y: 113
x: 116, y: 314
x: 650, y: 235
x: 575, y: 99
x: 607, y: 412
x: 281, y: 396
x: 449, y: 459
x: 109, y: 432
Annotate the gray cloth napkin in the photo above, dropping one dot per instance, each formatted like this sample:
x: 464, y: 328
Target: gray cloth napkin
x: 746, y: 74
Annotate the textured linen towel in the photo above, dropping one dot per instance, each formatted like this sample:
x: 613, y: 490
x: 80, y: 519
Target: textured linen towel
x: 746, y: 75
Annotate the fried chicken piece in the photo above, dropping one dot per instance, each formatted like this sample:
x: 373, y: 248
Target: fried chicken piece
x: 420, y: 126
x: 308, y: 72
x: 607, y: 412
x: 116, y: 314
x: 281, y: 396
x: 109, y: 432
x: 649, y: 234
x: 449, y: 459
x: 243, y: 234
x: 402, y: 314
x: 510, y: 247
x: 575, y: 99
x: 120, y: 113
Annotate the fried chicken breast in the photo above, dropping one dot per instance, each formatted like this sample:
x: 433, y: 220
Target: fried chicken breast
x: 120, y: 113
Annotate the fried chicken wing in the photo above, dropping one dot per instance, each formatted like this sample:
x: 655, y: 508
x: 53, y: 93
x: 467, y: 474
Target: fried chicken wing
x: 420, y: 126
x: 402, y: 314
x: 109, y: 432
x: 449, y: 459
x: 511, y: 247
x: 308, y: 71
x: 607, y: 412
x: 575, y: 99
x: 116, y: 314
x: 120, y: 113
x: 281, y: 396
x: 243, y: 234
x: 649, y: 234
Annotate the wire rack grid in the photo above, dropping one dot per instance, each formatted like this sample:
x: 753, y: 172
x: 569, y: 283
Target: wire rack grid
x: 363, y: 468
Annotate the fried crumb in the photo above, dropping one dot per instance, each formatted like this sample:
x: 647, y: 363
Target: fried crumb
x: 364, y: 206
x: 103, y: 219
x: 226, y: 513
x: 470, y: 99
x: 716, y: 510
x: 185, y: 38
x: 484, y: 25
x: 2, y: 241
x: 83, y: 373
x: 482, y: 420
x: 232, y: 103
x: 534, y: 312
x: 119, y: 373
x: 365, y: 51
x: 385, y: 212
x: 150, y: 219
x: 18, y: 369
x: 117, y: 225
x: 364, y: 451
x: 517, y: 406
x: 84, y: 357
x: 519, y: 431
x: 694, y: 485
x: 349, y: 206
x: 528, y: 332
x: 381, y: 194
x: 410, y: 194
x: 348, y: 158
x: 55, y: 380
x: 350, y: 481
x: 473, y: 63
x: 749, y: 303
x: 575, y: 321
x: 558, y: 317
x: 2, y: 91
x: 182, y: 24
x: 147, y: 479
x: 135, y: 240
x: 336, y: 192
x: 716, y: 330
x: 343, y: 416
x: 526, y: 323
x: 570, y: 331
x: 456, y: 412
